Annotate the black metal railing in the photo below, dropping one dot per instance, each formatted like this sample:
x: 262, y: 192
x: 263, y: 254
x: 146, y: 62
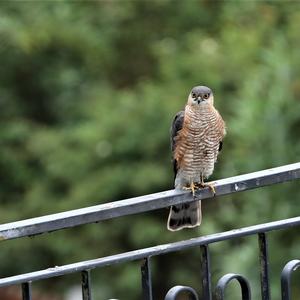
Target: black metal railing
x: 137, y: 205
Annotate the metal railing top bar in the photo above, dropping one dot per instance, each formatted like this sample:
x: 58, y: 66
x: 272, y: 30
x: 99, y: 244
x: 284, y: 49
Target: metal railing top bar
x: 150, y: 202
x: 148, y: 252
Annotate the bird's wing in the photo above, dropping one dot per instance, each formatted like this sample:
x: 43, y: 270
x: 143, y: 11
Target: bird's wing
x: 220, y: 145
x: 222, y: 132
x: 176, y: 126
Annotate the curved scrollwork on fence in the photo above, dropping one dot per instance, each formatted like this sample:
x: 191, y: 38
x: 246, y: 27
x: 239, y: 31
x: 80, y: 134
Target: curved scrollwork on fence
x: 226, y: 279
x: 286, y: 276
x: 179, y: 289
x: 220, y: 288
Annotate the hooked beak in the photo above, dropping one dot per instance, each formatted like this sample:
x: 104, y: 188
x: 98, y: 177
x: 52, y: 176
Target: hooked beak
x: 199, y: 100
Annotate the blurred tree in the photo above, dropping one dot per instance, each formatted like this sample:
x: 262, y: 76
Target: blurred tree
x: 87, y: 94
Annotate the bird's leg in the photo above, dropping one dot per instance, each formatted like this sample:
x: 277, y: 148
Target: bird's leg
x: 191, y: 187
x: 202, y: 180
x: 209, y: 185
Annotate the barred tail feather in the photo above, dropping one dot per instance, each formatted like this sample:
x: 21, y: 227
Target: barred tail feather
x: 187, y: 215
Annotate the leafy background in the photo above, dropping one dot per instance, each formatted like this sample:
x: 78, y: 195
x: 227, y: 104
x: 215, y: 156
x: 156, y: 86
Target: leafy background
x: 87, y: 94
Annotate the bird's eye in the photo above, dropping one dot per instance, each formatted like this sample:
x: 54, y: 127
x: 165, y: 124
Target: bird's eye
x: 206, y: 96
x: 193, y: 95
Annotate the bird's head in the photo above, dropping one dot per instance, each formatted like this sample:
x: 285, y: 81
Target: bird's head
x: 201, y: 95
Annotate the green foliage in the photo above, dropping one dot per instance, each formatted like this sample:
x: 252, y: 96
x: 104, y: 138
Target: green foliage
x: 87, y: 94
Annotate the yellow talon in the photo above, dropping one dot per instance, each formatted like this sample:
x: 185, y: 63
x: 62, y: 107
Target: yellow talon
x: 202, y: 184
x: 209, y: 185
x: 193, y: 187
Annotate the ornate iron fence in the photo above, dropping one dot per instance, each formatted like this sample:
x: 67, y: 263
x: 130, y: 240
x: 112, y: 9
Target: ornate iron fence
x: 137, y: 205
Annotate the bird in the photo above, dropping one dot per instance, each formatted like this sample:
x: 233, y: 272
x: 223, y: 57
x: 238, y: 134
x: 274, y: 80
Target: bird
x: 197, y: 134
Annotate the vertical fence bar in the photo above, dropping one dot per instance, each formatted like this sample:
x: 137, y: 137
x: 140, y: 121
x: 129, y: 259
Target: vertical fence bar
x: 86, y: 285
x: 26, y: 291
x: 146, y: 279
x: 205, y: 271
x: 264, y: 266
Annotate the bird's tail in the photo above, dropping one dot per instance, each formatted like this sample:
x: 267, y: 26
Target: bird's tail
x: 185, y: 215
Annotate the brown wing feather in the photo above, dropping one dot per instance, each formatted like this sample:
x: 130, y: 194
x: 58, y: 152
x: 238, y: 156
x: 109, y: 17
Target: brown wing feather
x: 175, y: 128
x: 221, y: 128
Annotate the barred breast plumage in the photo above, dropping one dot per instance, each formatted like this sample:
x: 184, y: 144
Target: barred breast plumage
x: 197, y: 144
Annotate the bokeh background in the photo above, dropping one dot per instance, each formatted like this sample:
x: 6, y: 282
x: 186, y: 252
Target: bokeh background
x: 88, y: 91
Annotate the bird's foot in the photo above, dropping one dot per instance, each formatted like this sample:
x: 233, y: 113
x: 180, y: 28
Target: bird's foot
x: 192, y: 187
x: 209, y: 185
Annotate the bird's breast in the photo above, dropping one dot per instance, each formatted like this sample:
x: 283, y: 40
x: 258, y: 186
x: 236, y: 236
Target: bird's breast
x: 198, y: 142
